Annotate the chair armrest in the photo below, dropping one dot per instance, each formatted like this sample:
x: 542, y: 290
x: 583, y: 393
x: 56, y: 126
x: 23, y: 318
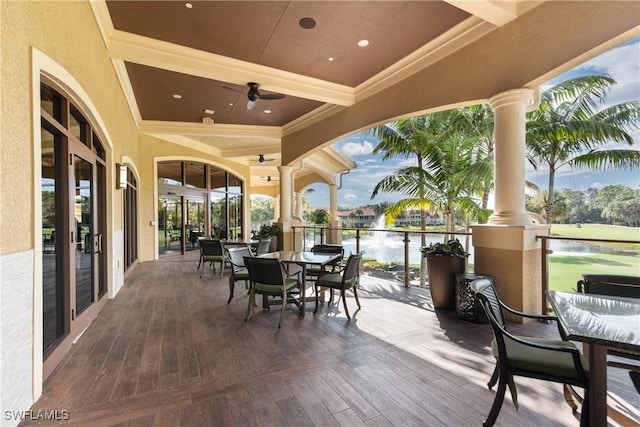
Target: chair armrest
x: 528, y: 315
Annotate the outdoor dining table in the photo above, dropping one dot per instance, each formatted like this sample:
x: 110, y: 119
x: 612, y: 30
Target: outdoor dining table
x: 600, y: 322
x: 303, y: 259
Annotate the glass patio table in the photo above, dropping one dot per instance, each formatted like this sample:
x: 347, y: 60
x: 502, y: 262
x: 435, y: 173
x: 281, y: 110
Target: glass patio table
x: 600, y: 322
x: 304, y: 260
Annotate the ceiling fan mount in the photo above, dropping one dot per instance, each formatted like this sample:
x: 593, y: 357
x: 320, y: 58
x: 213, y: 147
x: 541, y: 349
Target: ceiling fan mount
x: 262, y: 159
x: 254, y: 95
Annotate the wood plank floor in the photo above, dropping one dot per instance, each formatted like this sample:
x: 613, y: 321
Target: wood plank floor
x: 169, y: 351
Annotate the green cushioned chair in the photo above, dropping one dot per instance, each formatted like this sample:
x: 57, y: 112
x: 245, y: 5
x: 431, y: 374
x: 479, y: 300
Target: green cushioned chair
x: 239, y: 272
x: 212, y: 250
x: 267, y: 277
x: 348, y: 279
x: 546, y: 359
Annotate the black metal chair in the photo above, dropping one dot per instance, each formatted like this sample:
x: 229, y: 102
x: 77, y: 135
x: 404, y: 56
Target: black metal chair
x: 239, y: 272
x: 546, y: 359
x: 347, y: 279
x: 263, y: 246
x: 212, y: 250
x: 619, y: 286
x: 267, y: 277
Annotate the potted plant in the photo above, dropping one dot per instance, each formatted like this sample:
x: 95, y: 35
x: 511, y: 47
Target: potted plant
x: 444, y: 261
x: 273, y: 231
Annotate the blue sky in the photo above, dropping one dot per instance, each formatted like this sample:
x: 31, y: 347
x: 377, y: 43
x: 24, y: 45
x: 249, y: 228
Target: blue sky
x: 622, y: 63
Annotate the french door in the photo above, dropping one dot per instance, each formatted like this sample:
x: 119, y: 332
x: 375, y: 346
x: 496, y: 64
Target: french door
x: 74, y: 217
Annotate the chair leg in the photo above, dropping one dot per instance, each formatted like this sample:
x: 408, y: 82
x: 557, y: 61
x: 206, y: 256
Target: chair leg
x: 284, y: 305
x: 221, y: 268
x: 315, y: 286
x: 252, y: 297
x: 355, y: 293
x: 568, y: 397
x: 232, y: 285
x: 494, y: 377
x: 497, y: 403
x: 199, y: 263
x: 343, y: 295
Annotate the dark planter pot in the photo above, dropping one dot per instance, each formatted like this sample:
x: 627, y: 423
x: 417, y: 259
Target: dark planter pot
x: 441, y: 272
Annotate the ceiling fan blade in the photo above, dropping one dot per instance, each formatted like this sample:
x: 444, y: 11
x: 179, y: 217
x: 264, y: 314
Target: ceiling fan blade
x: 272, y: 96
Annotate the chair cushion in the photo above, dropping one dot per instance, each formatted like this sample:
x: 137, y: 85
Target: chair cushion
x: 334, y: 280
x: 241, y: 274
x: 217, y: 258
x: 261, y: 288
x: 547, y: 362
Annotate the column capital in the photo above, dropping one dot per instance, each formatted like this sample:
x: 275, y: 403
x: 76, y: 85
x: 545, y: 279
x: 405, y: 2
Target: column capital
x: 523, y: 96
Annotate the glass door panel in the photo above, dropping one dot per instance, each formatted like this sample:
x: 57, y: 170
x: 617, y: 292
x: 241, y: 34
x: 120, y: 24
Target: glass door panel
x: 195, y: 221
x: 170, y: 239
x: 52, y: 280
x: 84, y: 235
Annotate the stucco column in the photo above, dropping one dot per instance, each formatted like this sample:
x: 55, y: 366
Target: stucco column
x: 298, y: 215
x: 507, y: 247
x: 333, y: 202
x: 286, y: 192
x: 509, y: 134
x: 335, y: 236
x: 276, y: 207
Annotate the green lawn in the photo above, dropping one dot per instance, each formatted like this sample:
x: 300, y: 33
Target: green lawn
x: 565, y: 270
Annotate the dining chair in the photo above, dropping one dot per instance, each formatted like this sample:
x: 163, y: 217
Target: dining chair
x: 314, y: 273
x: 610, y: 284
x: 618, y: 286
x: 239, y: 272
x: 212, y: 250
x: 347, y: 279
x: 267, y: 277
x: 540, y: 358
x: 263, y: 246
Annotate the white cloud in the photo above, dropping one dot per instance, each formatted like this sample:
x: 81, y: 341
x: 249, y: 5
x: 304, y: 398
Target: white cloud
x: 350, y: 196
x: 357, y: 148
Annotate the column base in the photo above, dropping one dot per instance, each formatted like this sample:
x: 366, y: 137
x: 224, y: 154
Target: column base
x: 510, y: 219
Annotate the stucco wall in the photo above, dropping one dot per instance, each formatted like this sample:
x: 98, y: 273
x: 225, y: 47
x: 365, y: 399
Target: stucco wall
x: 65, y: 36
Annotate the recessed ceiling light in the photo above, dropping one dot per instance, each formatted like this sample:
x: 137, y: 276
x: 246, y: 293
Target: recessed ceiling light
x: 188, y: 5
x: 267, y: 111
x: 330, y: 59
x: 208, y: 111
x: 363, y: 43
x: 307, y: 23
x: 177, y: 96
x: 231, y: 103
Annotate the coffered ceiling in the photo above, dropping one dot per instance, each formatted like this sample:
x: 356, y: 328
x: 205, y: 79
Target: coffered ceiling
x: 184, y: 66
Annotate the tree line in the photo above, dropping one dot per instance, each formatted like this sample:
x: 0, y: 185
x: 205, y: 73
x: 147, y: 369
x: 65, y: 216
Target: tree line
x: 613, y: 204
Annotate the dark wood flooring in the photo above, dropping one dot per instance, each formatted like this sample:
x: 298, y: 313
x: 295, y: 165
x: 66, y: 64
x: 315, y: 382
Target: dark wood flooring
x: 169, y: 351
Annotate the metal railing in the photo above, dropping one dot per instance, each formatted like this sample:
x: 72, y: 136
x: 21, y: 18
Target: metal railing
x: 546, y: 252
x: 319, y: 235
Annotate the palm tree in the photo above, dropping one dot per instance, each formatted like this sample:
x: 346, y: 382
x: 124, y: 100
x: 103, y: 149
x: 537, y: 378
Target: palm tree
x: 567, y: 129
x: 448, y: 181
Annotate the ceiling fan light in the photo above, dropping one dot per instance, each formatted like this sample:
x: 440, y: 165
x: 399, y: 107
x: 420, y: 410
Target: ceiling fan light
x: 251, y: 105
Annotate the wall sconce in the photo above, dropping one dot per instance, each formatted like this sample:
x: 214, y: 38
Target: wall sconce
x: 121, y: 176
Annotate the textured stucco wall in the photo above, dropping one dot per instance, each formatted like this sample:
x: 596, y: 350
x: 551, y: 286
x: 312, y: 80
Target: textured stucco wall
x: 67, y: 33
x: 60, y: 36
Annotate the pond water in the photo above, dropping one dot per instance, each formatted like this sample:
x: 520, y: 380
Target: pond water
x: 389, y: 247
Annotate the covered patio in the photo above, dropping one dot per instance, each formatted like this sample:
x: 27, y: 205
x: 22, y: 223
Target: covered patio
x: 170, y: 351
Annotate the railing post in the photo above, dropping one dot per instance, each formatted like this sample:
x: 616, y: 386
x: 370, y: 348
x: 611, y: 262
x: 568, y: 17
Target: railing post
x: 545, y: 275
x: 406, y: 259
x: 357, y: 240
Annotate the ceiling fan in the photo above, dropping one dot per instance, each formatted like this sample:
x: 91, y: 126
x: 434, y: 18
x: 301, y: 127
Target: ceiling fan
x: 255, y: 96
x: 261, y: 159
